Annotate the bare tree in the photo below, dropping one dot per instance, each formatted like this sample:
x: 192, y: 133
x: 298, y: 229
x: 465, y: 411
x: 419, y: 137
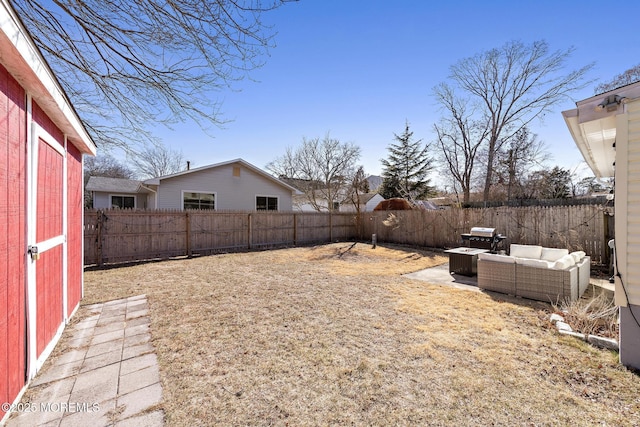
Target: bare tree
x: 519, y: 157
x: 589, y: 185
x: 323, y: 169
x: 459, y: 137
x: 630, y: 76
x: 128, y: 63
x: 510, y: 87
x: 158, y: 160
x: 103, y: 165
x: 359, y: 186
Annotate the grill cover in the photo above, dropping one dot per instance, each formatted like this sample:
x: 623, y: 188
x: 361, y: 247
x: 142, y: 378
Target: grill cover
x: 483, y: 231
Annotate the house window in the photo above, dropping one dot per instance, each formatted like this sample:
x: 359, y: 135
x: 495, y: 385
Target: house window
x: 199, y: 201
x: 123, y: 202
x: 265, y: 203
x: 236, y: 171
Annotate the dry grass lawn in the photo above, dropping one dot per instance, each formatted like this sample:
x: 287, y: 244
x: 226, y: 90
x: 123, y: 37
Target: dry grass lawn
x: 325, y: 336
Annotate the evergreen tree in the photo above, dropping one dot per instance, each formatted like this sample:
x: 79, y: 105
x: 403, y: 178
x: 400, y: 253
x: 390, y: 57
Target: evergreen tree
x: 406, y: 168
x: 550, y: 184
x: 558, y: 184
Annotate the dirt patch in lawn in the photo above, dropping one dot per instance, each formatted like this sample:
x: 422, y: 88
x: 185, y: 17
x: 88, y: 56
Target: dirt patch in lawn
x: 334, y: 335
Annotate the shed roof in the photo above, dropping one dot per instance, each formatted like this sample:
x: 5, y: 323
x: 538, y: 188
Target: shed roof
x: 21, y: 57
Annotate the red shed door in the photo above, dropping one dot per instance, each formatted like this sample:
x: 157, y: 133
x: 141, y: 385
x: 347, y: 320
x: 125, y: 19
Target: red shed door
x: 49, y: 193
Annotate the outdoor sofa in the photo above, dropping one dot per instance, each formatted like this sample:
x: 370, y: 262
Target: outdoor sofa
x: 534, y: 272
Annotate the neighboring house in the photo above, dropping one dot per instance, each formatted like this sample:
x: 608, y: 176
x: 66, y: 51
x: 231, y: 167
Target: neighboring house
x: 112, y: 193
x: 427, y: 205
x: 606, y: 129
x: 442, y: 202
x: 42, y: 142
x: 233, y: 185
x: 301, y: 203
x: 368, y: 201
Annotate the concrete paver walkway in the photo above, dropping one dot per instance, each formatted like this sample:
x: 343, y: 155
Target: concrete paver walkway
x: 107, y: 376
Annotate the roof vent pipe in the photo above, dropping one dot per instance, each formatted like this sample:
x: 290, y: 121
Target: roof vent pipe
x: 188, y: 165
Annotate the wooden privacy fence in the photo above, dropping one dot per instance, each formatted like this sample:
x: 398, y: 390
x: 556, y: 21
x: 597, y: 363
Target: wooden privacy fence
x: 115, y: 236
x: 582, y: 227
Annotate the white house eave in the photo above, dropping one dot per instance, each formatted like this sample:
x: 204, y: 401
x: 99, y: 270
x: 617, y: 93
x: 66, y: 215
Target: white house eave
x: 596, y: 141
x: 593, y: 125
x: 20, y: 56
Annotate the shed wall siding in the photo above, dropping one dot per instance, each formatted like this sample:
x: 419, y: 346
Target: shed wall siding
x: 75, y: 254
x: 232, y: 192
x: 12, y: 237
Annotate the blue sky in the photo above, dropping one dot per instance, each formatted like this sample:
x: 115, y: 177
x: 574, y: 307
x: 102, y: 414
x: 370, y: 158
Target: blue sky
x: 359, y: 69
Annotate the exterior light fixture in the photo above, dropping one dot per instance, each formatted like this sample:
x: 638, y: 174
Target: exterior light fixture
x: 610, y: 103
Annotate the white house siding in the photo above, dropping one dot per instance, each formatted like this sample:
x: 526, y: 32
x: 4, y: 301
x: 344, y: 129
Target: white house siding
x: 151, y: 199
x: 606, y: 129
x: 628, y: 202
x: 232, y: 192
x: 627, y: 212
x: 103, y: 200
x: 373, y: 202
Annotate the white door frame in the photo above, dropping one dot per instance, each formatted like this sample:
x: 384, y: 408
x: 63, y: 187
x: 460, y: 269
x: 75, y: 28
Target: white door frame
x: 35, y: 133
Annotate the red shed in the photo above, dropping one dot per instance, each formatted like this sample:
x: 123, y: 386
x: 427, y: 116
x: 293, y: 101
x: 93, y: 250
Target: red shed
x: 42, y: 141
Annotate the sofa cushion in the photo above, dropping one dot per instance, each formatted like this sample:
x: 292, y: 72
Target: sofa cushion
x: 578, y: 255
x: 553, y: 254
x: 563, y: 263
x: 497, y: 258
x: 538, y: 263
x: 526, y: 251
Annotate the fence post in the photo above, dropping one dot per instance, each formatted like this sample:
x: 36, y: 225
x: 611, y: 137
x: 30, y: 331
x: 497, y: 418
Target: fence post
x: 100, y: 218
x: 295, y: 229
x: 249, y: 232
x: 330, y: 226
x: 188, y: 220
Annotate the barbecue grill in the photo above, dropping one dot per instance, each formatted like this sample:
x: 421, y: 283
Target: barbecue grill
x: 483, y: 238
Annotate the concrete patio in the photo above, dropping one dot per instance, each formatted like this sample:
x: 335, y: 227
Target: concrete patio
x: 442, y: 276
x: 107, y: 374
